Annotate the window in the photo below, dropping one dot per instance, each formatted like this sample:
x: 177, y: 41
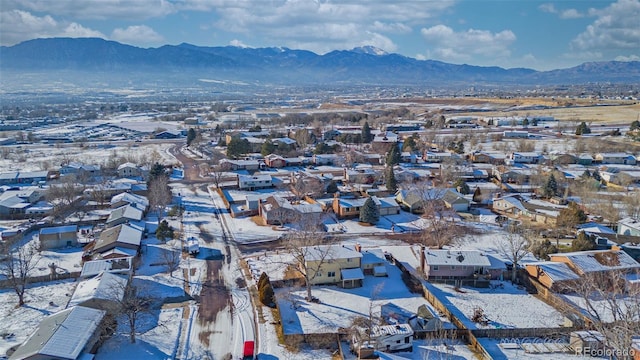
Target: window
x: 349, y: 259
x: 331, y: 274
x: 453, y: 267
x: 435, y: 268
x: 407, y: 339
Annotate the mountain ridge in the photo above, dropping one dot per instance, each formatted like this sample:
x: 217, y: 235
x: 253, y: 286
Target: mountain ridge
x: 365, y: 64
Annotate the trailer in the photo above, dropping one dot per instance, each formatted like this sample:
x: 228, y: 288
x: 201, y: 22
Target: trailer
x: 388, y: 338
x: 192, y: 246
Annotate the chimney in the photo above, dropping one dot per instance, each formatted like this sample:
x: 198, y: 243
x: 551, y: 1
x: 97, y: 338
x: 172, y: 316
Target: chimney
x: 422, y: 259
x: 358, y: 247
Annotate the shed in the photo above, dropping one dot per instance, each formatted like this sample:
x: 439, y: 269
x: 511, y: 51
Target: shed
x: 58, y: 236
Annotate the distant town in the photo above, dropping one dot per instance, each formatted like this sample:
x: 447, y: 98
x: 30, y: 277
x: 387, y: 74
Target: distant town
x: 345, y: 224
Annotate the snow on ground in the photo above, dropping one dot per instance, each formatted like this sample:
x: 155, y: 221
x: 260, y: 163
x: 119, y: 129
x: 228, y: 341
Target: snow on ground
x: 42, y: 299
x: 531, y: 349
x: 623, y: 306
x: 338, y: 307
x: 489, y: 239
x: 67, y: 259
x: 504, y: 305
x: 159, y: 331
x: 436, y: 349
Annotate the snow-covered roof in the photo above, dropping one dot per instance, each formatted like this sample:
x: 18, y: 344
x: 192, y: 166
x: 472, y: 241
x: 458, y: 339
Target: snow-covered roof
x: 139, y: 201
x: 595, y: 228
x: 320, y: 252
x: 598, y: 260
x: 403, y: 329
x: 127, y: 212
x: 95, y: 267
x: 105, y: 286
x: 373, y: 256
x: 352, y: 274
x: 556, y: 271
x: 59, y: 229
x: 123, y: 233
x: 62, y: 335
x: 456, y: 257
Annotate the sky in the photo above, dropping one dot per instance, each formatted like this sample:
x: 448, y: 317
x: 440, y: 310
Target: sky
x: 541, y: 35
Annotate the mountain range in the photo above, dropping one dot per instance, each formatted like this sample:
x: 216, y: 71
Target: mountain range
x: 364, y: 65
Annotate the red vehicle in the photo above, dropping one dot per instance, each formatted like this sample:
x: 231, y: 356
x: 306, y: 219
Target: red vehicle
x: 248, y: 352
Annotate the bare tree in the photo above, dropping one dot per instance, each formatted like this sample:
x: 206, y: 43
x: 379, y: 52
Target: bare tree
x: 310, y: 252
x: 17, y: 266
x: 159, y: 194
x: 171, y: 259
x: 613, y: 305
x: 515, y: 246
x: 440, y: 227
x: 129, y: 304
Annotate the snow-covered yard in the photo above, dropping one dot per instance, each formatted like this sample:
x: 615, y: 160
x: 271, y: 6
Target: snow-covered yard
x: 338, y: 307
x: 504, y: 305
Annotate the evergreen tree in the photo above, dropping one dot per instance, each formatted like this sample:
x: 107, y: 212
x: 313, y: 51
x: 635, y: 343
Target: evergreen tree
x: 525, y: 122
x: 635, y: 125
x: 462, y: 187
x: 571, y: 216
x: 477, y: 195
x: 164, y: 232
x: 237, y: 147
x: 542, y: 249
x: 583, y: 129
x: 369, y: 212
x: 393, y: 156
x: 459, y: 147
x: 392, y: 183
x: 191, y: 135
x: 583, y: 242
x: 332, y: 188
x: 596, y: 175
x: 156, y: 171
x: 409, y: 144
x: 551, y: 187
x: 267, y: 148
x: 366, y: 133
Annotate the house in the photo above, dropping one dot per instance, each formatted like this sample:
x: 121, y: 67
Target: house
x: 80, y: 169
x: 125, y: 198
x: 67, y: 335
x: 515, y: 134
x: 251, y: 183
x: 383, y: 141
x: 58, y: 237
x: 15, y: 203
x: 228, y: 164
x: 563, y: 158
x: 438, y: 157
x: 333, y: 264
x: 350, y: 207
x: 488, y: 158
x: 456, y: 264
x: 116, y: 242
x: 524, y: 158
x: 328, y: 159
x: 124, y: 214
x: 415, y: 200
x: 584, y: 159
x: 512, y: 205
x: 615, y: 158
x: 629, y: 226
x: 555, y: 276
x: 103, y: 292
x: 373, y: 262
x: 129, y: 170
x: 122, y: 265
x: 278, y: 211
x: 32, y: 177
x: 597, y: 261
x: 361, y: 176
x: 275, y: 161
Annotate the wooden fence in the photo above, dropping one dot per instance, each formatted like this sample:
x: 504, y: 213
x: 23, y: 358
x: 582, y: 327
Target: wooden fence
x: 5, y: 283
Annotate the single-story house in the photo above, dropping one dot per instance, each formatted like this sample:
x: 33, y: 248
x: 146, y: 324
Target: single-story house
x: 350, y: 207
x: 116, y: 242
x: 458, y: 264
x: 555, y: 276
x: 129, y: 170
x: 66, y: 335
x: 104, y: 291
x: 122, y: 265
x: 124, y: 214
x: 126, y: 198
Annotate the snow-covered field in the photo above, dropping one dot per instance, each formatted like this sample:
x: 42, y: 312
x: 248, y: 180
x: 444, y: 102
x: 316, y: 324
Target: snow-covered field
x: 504, y: 305
x: 41, y: 299
x: 338, y: 307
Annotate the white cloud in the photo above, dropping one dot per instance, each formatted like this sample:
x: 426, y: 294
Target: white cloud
x: 479, y: 45
x: 96, y: 9
x: 398, y: 28
x: 571, y: 14
x: 548, y: 8
x: 616, y: 28
x: 141, y: 35
x: 628, y: 58
x: 17, y: 26
x: 238, y: 43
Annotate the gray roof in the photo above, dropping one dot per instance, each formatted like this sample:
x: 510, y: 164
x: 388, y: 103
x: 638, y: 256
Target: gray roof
x: 456, y: 257
x: 59, y: 229
x: 105, y: 286
x: 95, y: 267
x: 556, y: 271
x: 314, y: 253
x: 62, y: 335
x: 352, y: 274
x: 127, y: 212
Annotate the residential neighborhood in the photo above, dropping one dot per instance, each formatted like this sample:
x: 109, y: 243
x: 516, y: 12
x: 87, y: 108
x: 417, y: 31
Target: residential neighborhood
x: 388, y: 236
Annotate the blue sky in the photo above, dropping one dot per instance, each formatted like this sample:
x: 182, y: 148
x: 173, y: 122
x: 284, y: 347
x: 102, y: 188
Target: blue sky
x: 509, y: 33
